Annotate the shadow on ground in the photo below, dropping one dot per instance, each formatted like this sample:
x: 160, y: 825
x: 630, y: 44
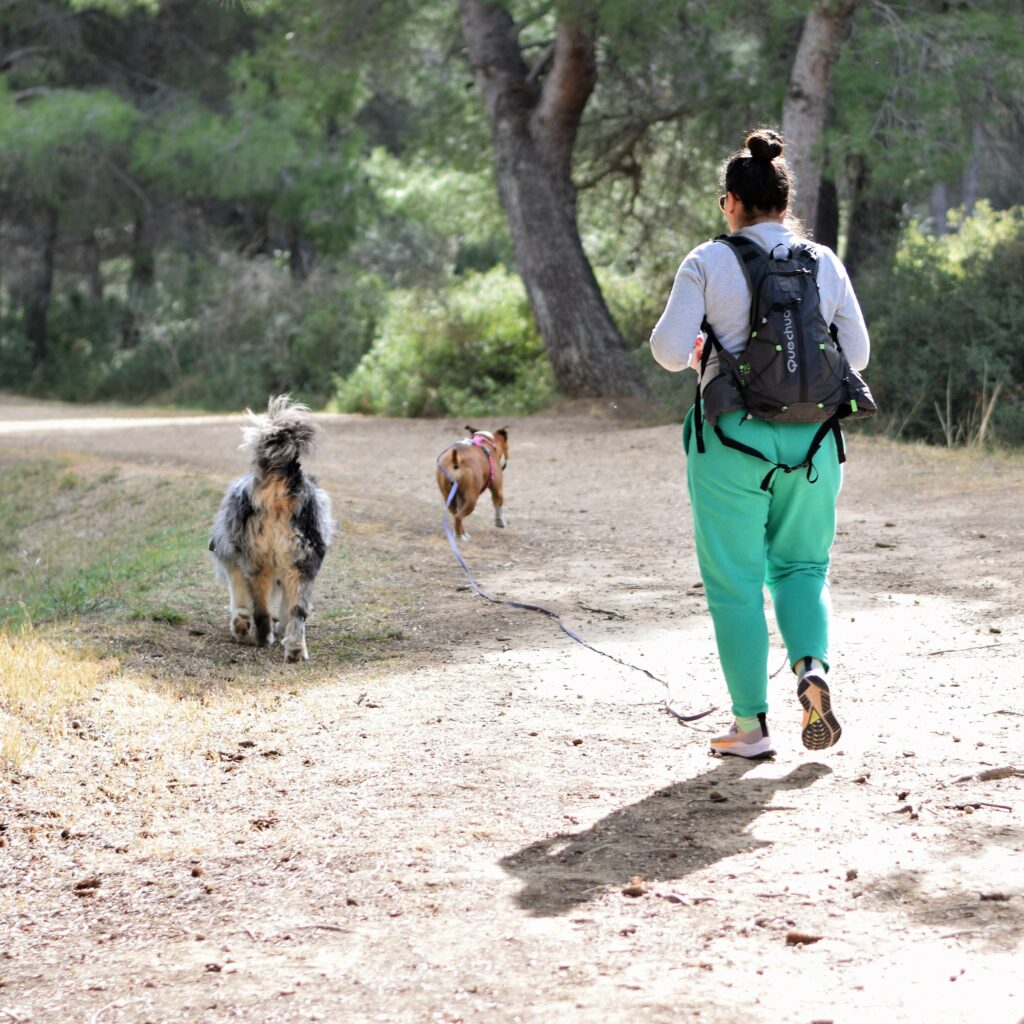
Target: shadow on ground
x: 660, y: 837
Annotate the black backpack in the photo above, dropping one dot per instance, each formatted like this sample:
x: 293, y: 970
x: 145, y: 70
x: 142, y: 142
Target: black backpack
x: 792, y: 369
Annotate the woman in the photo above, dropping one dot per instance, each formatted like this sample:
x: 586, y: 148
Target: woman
x: 751, y: 529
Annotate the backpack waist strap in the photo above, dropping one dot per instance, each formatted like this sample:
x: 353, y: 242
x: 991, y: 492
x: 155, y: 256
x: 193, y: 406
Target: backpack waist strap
x: 830, y: 425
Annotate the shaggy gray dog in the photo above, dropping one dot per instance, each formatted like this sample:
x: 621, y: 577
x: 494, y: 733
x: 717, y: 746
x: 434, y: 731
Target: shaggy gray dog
x: 272, y: 530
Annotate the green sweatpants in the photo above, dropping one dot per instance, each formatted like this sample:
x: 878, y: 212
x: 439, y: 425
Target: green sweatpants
x: 746, y: 537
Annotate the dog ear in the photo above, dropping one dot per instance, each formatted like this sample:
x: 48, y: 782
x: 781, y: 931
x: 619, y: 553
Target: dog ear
x: 503, y: 432
x: 472, y: 430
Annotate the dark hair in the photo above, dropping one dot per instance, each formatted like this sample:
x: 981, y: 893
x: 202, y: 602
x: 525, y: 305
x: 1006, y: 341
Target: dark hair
x: 758, y: 174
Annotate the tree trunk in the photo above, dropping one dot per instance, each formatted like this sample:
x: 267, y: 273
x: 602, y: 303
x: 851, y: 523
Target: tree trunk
x: 970, y: 179
x: 533, y: 129
x: 826, y: 223
x: 140, y: 280
x: 300, y: 255
x: 256, y: 225
x: 93, y: 267
x: 940, y: 207
x: 804, y: 109
x: 37, y: 305
x: 875, y: 221
x: 143, y: 272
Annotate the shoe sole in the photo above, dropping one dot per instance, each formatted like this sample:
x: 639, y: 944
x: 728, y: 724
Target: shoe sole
x: 821, y: 729
x: 765, y: 755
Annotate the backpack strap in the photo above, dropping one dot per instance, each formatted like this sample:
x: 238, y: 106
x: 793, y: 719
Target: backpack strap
x: 753, y: 262
x: 711, y: 341
x: 830, y: 426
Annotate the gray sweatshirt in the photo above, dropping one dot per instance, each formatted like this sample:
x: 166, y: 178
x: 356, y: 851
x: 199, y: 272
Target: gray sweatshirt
x: 710, y: 282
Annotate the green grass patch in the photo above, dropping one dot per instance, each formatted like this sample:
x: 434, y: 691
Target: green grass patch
x: 76, y: 545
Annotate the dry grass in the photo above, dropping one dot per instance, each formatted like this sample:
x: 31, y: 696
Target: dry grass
x: 40, y: 681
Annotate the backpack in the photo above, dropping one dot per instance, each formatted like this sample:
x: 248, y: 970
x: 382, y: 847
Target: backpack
x: 792, y: 369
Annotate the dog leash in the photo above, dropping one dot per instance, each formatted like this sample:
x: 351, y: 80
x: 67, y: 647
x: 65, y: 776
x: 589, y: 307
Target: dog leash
x: 523, y: 606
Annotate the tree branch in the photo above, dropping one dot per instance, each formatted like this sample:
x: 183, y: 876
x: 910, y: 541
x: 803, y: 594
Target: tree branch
x: 541, y: 11
x: 10, y: 59
x: 565, y: 93
x: 621, y: 159
x: 541, y: 64
x: 33, y: 93
x: 496, y: 59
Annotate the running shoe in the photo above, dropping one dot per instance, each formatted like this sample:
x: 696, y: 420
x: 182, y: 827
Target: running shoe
x: 744, y: 744
x: 820, y: 728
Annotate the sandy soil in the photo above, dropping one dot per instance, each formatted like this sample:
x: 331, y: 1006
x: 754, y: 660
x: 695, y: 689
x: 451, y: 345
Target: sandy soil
x: 495, y: 824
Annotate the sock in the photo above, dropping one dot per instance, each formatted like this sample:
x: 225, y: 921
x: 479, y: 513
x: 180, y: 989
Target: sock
x: 746, y: 724
x: 810, y: 666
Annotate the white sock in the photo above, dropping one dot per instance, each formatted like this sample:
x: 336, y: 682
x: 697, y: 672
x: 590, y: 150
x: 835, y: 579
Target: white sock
x: 810, y: 667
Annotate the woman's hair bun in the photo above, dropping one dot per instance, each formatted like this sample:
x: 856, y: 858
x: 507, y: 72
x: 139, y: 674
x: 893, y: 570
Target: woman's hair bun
x: 764, y: 144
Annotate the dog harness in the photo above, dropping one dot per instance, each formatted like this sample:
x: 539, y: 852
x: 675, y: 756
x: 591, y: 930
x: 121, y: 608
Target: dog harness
x: 484, y: 440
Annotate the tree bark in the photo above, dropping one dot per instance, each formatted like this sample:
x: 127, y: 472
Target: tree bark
x: 37, y: 305
x: 533, y: 129
x: 875, y: 221
x: 806, y: 102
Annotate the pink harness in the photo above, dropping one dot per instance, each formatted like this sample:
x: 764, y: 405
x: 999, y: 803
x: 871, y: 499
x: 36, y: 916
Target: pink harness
x: 488, y: 446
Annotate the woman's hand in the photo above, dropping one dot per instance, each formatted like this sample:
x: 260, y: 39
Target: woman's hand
x: 698, y: 349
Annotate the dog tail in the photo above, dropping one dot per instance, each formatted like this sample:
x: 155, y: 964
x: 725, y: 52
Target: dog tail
x: 282, y: 435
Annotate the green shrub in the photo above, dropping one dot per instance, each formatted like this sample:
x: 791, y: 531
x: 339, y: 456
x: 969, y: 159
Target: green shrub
x: 947, y: 364
x: 636, y: 305
x: 258, y: 332
x: 470, y: 351
x: 245, y: 330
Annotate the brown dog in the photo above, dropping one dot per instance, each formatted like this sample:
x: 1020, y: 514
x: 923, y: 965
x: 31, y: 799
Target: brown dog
x: 475, y: 463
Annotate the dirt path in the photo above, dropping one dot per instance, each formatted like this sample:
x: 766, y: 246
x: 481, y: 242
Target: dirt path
x: 493, y: 824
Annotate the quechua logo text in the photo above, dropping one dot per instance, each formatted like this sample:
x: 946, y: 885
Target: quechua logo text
x: 789, y: 333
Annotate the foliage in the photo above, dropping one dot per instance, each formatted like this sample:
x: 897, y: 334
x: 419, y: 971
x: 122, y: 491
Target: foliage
x: 249, y: 331
x: 267, y: 152
x: 66, y: 151
x: 470, y: 351
x: 946, y: 325
x: 184, y: 153
x: 916, y: 79
x: 431, y: 219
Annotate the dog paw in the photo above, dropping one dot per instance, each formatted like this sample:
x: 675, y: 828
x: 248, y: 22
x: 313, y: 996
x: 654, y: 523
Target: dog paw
x: 240, y: 627
x: 501, y: 522
x: 461, y: 537
x: 293, y: 654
